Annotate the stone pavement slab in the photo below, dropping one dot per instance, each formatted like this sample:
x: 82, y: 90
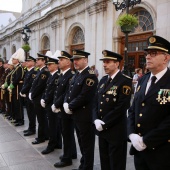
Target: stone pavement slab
x: 18, y: 153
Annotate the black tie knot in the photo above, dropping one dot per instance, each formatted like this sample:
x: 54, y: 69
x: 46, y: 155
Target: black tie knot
x: 153, y: 79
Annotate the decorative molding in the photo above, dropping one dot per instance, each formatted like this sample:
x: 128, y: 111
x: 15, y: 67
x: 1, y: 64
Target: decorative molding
x: 97, y: 7
x: 56, y: 23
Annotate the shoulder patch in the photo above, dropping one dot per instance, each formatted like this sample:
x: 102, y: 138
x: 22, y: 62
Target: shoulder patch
x: 33, y: 76
x: 91, y: 71
x: 126, y: 90
x: 89, y: 82
x: 126, y: 76
x: 43, y: 76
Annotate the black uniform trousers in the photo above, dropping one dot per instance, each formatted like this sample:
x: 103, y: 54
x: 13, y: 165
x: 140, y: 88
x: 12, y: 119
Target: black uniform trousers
x: 86, y: 139
x: 150, y: 159
x: 8, y: 104
x: 31, y: 115
x: 54, y: 123
x: 112, y: 153
x: 41, y: 118
x: 69, y: 143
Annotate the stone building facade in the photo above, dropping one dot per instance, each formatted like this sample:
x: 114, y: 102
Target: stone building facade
x: 88, y: 25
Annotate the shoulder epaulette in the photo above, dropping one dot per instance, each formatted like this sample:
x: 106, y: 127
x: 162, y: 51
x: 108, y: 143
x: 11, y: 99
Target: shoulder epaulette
x: 91, y: 71
x: 126, y: 76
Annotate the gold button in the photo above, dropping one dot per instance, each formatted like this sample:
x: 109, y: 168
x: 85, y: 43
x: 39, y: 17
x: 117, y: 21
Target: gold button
x: 106, y: 128
x: 169, y: 140
x: 153, y: 148
x: 143, y: 104
x: 138, y: 125
x: 140, y: 114
x: 100, y: 110
x: 101, y: 117
x: 101, y: 103
x: 69, y: 97
x: 103, y: 95
x: 84, y: 107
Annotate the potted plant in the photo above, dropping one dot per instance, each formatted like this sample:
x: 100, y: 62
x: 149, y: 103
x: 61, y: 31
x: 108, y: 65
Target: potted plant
x: 127, y: 22
x: 26, y: 47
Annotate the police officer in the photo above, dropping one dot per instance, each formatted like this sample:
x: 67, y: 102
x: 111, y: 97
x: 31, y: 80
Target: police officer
x: 78, y: 102
x: 55, y: 140
x: 35, y: 94
x: 109, y: 114
x: 69, y: 151
x: 149, y: 115
x: 28, y: 79
x: 16, y: 82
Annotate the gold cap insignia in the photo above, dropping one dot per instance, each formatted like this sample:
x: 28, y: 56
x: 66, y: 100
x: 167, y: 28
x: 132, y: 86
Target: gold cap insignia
x: 62, y: 53
x: 74, y: 52
x: 104, y: 53
x: 152, y: 39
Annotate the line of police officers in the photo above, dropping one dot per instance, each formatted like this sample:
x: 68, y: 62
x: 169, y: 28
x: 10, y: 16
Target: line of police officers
x: 64, y: 101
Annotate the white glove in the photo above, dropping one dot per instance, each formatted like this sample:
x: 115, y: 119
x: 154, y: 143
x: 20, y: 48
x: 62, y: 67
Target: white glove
x: 42, y: 103
x: 66, y: 109
x: 137, y: 142
x: 29, y: 96
x: 3, y: 86
x: 53, y: 107
x: 22, y: 95
x: 9, y: 89
x: 98, y: 123
x: 57, y: 110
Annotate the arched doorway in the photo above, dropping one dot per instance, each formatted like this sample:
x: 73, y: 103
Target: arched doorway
x: 45, y: 45
x: 77, y: 39
x: 4, y: 54
x: 137, y: 39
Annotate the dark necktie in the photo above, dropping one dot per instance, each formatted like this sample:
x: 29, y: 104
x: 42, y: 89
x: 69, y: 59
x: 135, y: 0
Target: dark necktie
x: 77, y: 74
x: 108, y: 82
x: 153, y: 79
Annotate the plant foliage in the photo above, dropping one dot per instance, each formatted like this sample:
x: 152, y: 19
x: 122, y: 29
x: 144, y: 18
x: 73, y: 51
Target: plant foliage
x: 26, y: 47
x: 127, y: 20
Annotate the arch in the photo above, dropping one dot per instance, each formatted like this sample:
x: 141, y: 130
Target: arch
x: 13, y: 49
x: 75, y: 36
x: 45, y: 43
x: 4, y: 54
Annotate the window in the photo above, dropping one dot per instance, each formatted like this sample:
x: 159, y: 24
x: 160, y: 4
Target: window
x: 145, y: 21
x: 78, y: 37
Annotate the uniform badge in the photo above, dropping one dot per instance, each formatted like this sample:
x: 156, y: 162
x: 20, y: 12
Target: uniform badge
x: 43, y: 76
x: 126, y: 90
x: 89, y: 82
x: 33, y: 76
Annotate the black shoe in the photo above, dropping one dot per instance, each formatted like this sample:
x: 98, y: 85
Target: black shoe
x: 25, y: 131
x: 19, y: 123
x: 29, y: 133
x: 15, y: 121
x: 47, y: 151
x: 73, y: 157
x: 58, y: 147
x: 37, y: 142
x: 62, y: 164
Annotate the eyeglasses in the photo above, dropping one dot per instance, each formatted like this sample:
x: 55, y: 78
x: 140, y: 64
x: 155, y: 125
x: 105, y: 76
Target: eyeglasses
x: 153, y: 53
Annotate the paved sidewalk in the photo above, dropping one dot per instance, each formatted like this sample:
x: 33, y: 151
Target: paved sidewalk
x: 17, y: 152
